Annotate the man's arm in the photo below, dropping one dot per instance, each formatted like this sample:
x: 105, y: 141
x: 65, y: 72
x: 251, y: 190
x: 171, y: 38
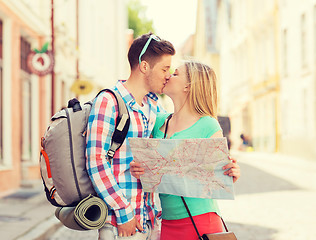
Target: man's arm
x: 99, y: 133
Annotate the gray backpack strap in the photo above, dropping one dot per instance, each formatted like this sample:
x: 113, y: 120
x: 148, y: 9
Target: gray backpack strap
x: 121, y: 127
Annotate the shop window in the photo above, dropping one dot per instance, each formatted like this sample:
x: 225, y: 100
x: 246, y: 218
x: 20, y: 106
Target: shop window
x: 26, y: 102
x: 1, y: 98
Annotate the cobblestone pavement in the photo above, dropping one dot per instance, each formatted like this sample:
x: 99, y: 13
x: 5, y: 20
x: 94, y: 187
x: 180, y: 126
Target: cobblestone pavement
x: 275, y: 200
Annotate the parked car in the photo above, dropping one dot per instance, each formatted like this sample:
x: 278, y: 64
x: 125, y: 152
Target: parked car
x: 224, y: 121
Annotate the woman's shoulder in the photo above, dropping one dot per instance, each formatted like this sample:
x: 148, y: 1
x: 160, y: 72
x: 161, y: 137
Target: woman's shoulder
x: 209, y: 121
x: 209, y: 125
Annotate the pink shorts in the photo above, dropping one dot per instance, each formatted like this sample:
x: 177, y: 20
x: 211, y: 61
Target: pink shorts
x: 183, y: 228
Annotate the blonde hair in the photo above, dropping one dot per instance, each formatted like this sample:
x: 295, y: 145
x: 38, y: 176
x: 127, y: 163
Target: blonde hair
x: 203, y: 93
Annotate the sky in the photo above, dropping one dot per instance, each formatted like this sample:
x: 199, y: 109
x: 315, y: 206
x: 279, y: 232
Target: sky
x: 173, y: 20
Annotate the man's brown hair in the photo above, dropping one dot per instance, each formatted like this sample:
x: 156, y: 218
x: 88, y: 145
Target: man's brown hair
x: 153, y: 52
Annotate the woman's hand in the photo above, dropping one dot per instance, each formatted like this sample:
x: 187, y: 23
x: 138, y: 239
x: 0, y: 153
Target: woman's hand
x: 136, y: 169
x: 233, y: 169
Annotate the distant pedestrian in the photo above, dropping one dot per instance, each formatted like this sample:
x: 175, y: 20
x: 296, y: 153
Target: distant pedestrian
x: 246, y: 144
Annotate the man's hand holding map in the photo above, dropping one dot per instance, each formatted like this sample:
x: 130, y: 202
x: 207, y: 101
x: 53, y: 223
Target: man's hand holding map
x: 184, y: 167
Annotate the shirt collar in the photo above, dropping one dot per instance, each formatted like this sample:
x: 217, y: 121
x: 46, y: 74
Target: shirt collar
x: 128, y: 96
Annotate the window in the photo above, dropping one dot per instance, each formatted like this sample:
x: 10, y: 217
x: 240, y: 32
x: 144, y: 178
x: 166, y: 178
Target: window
x: 285, y: 118
x: 1, y: 116
x: 315, y: 33
x: 25, y: 50
x: 303, y: 41
x: 305, y: 110
x: 1, y: 97
x: 1, y: 37
x: 285, y: 53
x: 26, y: 102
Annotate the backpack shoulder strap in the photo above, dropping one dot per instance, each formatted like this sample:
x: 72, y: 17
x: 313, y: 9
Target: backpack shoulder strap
x: 121, y: 127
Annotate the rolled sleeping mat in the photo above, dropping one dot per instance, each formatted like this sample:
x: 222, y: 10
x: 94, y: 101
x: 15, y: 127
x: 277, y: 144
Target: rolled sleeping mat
x: 89, y: 214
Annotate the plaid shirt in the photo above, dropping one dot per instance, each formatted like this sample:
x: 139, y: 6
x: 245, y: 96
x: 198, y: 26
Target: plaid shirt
x: 114, y: 183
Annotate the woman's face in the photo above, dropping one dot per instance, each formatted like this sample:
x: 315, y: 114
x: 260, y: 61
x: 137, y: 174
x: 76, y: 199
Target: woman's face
x: 177, y: 85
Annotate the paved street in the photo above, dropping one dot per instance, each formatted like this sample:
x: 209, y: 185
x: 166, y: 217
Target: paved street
x: 275, y: 200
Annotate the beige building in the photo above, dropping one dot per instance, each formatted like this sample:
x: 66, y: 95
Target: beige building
x: 248, y: 45
x: 204, y: 44
x: 298, y: 77
x: 267, y: 70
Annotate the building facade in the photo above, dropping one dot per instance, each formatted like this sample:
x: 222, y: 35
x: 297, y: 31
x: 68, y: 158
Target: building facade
x: 205, y: 47
x: 99, y: 50
x: 22, y: 28
x: 248, y: 45
x: 298, y: 77
x: 267, y: 65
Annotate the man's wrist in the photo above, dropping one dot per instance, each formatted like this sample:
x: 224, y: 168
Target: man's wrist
x: 124, y: 215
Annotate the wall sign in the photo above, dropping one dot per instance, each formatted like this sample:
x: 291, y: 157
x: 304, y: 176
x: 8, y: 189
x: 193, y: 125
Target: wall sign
x: 41, y: 62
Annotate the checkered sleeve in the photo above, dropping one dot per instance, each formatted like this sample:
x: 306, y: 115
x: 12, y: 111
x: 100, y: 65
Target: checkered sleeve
x: 100, y: 128
x: 155, y: 211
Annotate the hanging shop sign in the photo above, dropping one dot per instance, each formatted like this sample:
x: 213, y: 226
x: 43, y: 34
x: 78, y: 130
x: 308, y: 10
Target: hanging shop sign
x: 41, y: 62
x: 82, y: 87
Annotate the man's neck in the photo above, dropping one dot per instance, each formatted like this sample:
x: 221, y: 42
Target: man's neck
x: 137, y: 88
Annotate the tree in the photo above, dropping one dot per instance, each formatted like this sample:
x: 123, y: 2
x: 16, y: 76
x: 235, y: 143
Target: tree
x: 137, y: 19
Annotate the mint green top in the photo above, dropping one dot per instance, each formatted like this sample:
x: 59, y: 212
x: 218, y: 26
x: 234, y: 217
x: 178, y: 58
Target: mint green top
x: 172, y: 206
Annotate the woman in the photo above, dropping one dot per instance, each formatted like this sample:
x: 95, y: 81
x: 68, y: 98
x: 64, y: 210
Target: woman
x: 192, y: 89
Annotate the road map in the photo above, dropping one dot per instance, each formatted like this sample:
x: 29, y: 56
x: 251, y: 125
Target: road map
x: 184, y: 167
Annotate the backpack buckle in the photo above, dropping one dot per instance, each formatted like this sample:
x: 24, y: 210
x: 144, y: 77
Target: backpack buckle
x: 110, y: 153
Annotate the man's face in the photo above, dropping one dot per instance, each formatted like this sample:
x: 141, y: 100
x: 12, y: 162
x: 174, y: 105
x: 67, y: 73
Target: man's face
x: 159, y: 75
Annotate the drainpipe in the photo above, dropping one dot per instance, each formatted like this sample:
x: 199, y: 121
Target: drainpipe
x: 77, y: 42
x: 53, y: 52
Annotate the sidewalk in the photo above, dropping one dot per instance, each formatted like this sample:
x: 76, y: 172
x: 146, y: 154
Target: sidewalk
x: 274, y: 198
x: 285, y: 166
x: 27, y: 215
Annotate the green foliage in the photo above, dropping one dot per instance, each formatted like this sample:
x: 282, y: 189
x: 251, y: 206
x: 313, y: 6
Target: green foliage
x: 137, y: 19
x: 43, y: 50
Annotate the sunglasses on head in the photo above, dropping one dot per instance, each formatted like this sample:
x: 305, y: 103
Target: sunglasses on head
x: 146, y: 46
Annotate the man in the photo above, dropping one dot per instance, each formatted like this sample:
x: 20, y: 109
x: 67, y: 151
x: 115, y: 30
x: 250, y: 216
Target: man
x: 129, y: 207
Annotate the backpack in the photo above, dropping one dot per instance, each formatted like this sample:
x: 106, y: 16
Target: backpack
x: 63, y: 155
